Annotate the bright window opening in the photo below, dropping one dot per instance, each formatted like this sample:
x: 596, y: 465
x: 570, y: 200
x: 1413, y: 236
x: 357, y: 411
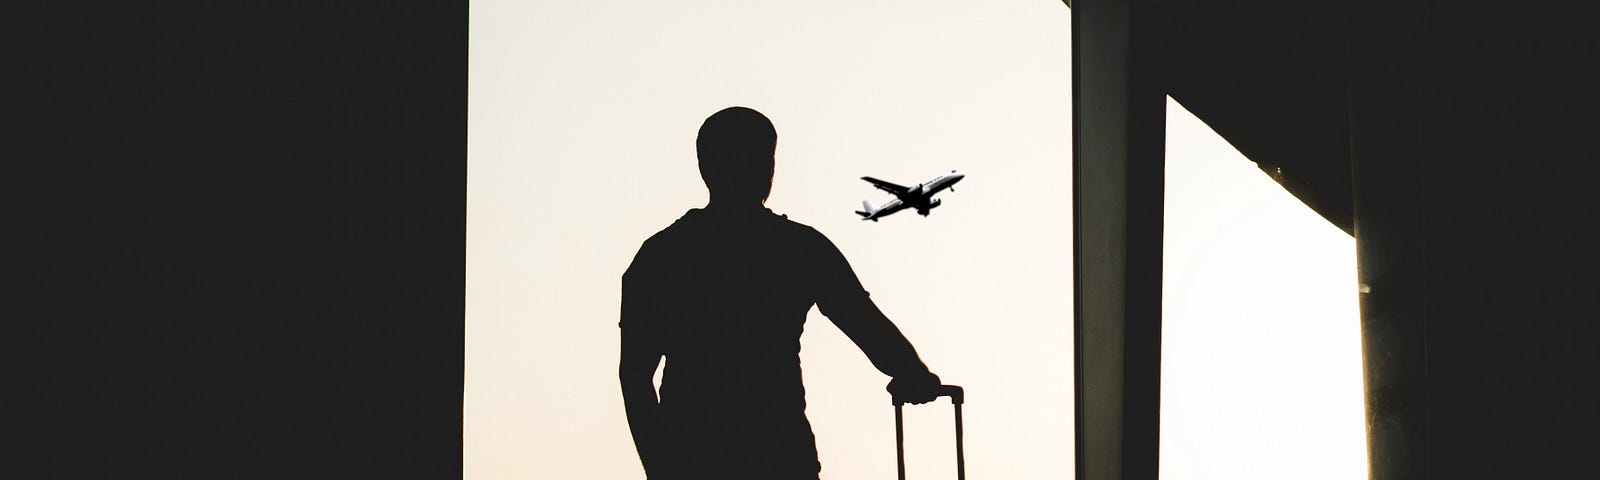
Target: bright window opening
x: 1261, y: 346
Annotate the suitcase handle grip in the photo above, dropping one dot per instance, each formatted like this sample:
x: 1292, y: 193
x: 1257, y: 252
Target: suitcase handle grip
x: 956, y: 394
x: 957, y: 397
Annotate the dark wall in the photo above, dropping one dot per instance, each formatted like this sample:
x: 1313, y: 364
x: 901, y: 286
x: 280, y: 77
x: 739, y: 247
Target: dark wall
x: 1513, y: 206
x: 235, y: 242
x: 1472, y: 137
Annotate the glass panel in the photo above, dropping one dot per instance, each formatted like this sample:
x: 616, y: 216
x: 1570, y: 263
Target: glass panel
x: 582, y: 127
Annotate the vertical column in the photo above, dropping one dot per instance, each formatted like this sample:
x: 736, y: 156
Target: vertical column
x: 1119, y: 130
x: 1387, y: 179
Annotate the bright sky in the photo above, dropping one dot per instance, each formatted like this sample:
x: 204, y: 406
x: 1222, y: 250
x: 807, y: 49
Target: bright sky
x: 582, y: 118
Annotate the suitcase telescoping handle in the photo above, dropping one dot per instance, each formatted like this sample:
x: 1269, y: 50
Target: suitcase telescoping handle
x: 956, y: 398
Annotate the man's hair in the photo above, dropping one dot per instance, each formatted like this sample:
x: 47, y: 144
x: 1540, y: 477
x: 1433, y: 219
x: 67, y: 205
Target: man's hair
x: 735, y: 147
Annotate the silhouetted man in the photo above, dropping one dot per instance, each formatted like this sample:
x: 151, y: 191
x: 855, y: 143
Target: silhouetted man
x: 723, y: 294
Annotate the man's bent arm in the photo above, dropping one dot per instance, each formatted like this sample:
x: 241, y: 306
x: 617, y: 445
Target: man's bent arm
x: 636, y: 372
x: 641, y: 353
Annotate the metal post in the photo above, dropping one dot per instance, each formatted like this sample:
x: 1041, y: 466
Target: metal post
x: 961, y: 458
x: 899, y: 440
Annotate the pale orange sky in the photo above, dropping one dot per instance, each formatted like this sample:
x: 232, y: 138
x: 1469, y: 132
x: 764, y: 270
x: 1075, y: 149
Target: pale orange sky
x: 582, y: 118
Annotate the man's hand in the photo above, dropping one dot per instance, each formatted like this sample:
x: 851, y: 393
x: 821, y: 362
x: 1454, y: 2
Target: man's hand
x: 916, y: 389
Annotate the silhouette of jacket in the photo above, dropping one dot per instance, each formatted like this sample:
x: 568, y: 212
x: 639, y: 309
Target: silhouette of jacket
x: 723, y: 294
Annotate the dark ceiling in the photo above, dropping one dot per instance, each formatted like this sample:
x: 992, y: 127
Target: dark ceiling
x: 1270, y: 78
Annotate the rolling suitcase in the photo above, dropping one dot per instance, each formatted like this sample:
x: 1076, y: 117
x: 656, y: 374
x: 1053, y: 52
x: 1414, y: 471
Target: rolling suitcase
x: 955, y: 394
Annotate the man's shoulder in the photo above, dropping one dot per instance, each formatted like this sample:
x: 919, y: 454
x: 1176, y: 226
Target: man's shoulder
x: 667, y: 235
x: 695, y: 228
x: 793, y: 226
x: 799, y: 232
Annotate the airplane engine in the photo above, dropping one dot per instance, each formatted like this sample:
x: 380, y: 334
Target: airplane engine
x: 924, y: 210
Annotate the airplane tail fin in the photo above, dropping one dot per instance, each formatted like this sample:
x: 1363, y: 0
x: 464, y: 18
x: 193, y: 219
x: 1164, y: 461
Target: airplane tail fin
x: 866, y: 210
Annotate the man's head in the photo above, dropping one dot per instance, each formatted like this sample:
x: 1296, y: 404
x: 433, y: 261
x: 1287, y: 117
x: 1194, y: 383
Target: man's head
x: 735, y: 147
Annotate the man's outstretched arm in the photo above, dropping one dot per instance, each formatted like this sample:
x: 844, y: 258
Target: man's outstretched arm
x: 842, y: 299
x: 875, y: 334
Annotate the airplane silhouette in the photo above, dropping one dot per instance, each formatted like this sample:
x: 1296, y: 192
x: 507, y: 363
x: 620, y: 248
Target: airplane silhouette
x: 919, y: 197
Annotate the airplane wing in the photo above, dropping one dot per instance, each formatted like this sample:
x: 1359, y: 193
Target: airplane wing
x: 886, y: 186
